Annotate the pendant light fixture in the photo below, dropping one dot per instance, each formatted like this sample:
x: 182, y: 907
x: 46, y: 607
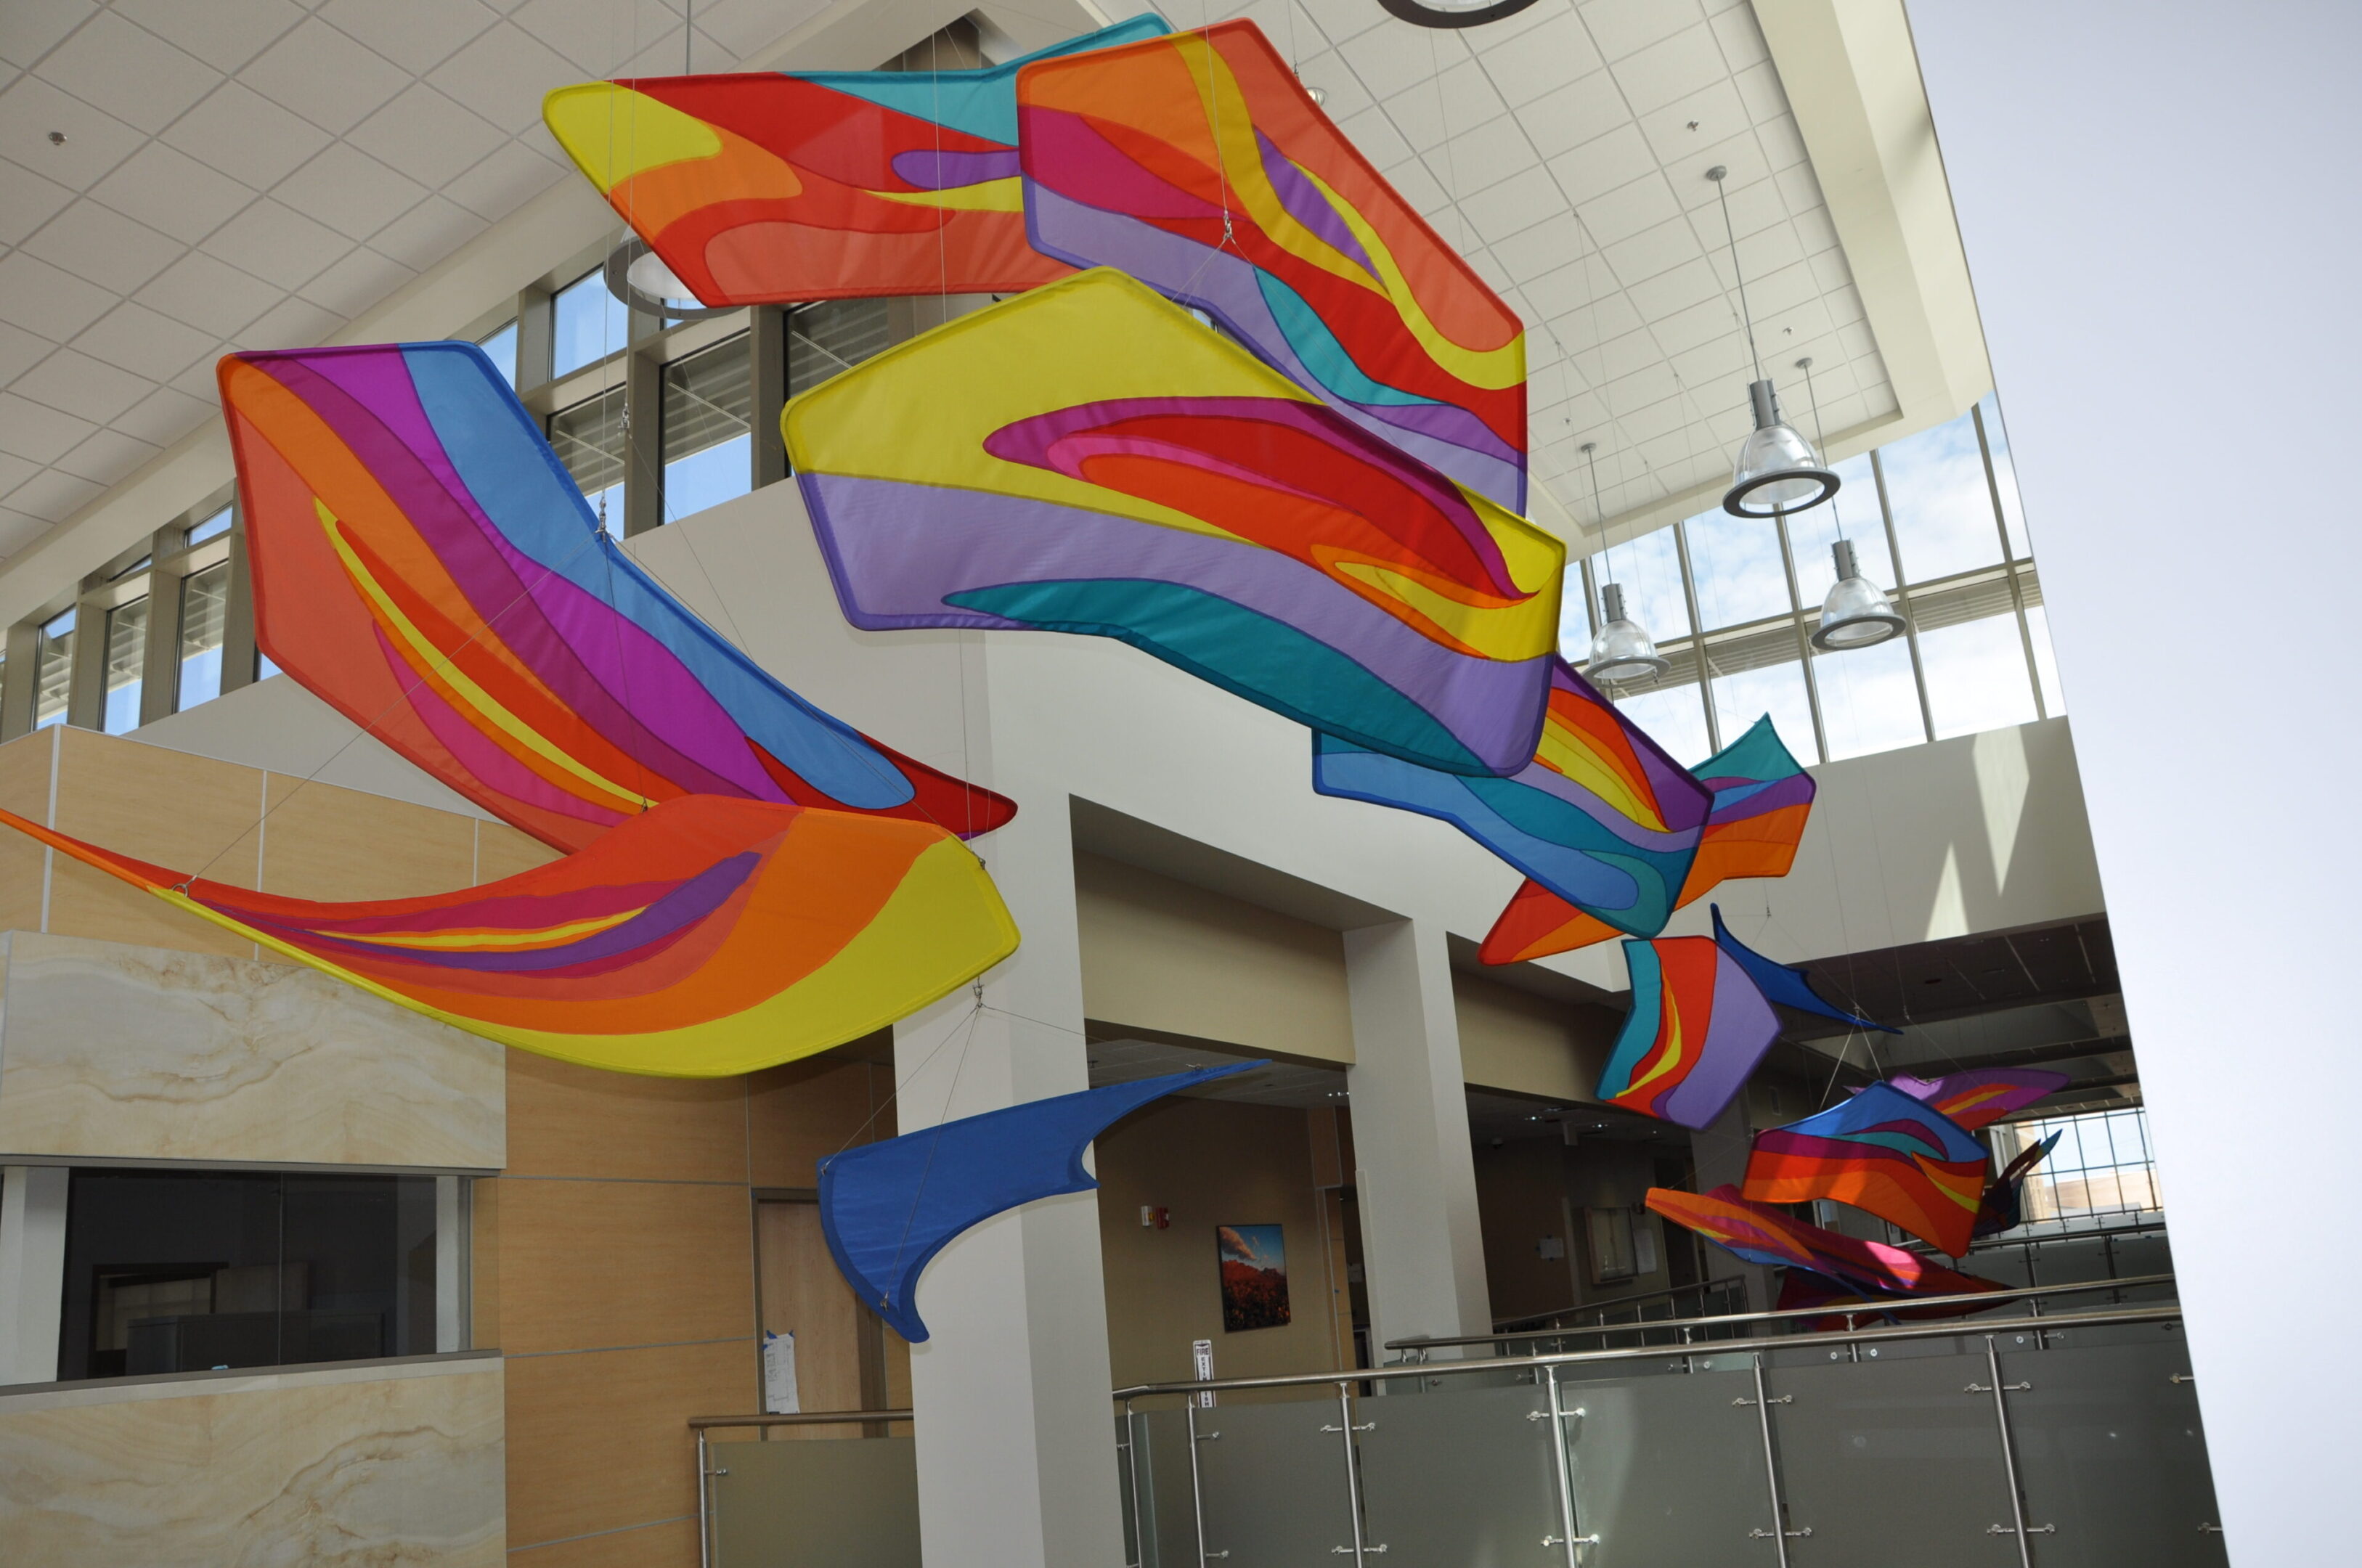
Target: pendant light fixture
x: 1622, y: 649
x: 1856, y: 613
x: 1776, y: 470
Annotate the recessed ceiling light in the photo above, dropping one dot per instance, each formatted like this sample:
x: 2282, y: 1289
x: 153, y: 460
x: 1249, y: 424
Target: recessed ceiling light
x: 57, y: 139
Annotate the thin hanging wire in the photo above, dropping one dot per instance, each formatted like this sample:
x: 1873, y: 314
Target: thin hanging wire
x: 1731, y: 236
x: 1820, y: 438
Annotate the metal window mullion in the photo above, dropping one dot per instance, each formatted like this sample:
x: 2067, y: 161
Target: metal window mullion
x: 1903, y: 594
x: 1697, y: 639
x: 157, y: 690
x: 767, y: 369
x: 17, y: 680
x: 86, y: 676
x: 536, y: 342
x: 643, y: 452
x: 2016, y: 589
x: 238, y: 651
x: 1804, y: 643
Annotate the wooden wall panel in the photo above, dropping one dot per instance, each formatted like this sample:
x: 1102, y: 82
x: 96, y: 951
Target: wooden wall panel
x: 571, y: 1120
x: 671, y: 1544
x: 484, y: 1266
x: 502, y: 851
x: 587, y: 1265
x: 189, y: 813
x: 601, y: 1441
x: 804, y: 1295
x: 84, y: 902
x: 330, y: 843
x: 800, y: 1113
x: 24, y: 790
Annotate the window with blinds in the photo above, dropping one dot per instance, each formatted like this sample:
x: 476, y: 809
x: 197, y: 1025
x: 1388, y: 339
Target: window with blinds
x: 708, y: 418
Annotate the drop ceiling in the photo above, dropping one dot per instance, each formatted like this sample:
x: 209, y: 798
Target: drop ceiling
x: 258, y: 173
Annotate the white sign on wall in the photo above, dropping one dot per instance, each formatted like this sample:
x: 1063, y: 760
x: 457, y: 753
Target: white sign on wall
x: 1201, y: 1357
x: 779, y: 1396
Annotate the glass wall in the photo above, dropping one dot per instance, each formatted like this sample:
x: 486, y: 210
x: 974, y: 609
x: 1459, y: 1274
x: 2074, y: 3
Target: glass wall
x: 127, y: 659
x: 204, y: 621
x: 1731, y: 601
x: 171, y: 1271
x: 590, y: 440
x: 2100, y: 1164
x: 54, y: 670
x: 586, y: 325
x: 709, y: 399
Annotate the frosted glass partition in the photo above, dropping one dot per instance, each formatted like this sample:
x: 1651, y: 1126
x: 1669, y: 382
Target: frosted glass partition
x: 837, y: 1503
x: 1463, y: 1477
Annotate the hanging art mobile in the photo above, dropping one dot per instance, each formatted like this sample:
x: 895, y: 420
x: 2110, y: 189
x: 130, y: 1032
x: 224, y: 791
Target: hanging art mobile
x: 1982, y: 1096
x: 1883, y: 1153
x: 1760, y: 1234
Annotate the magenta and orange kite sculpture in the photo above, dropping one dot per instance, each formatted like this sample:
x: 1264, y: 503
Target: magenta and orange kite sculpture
x: 1090, y: 457
x: 703, y: 937
x: 757, y: 187
x: 1197, y: 163
x: 1883, y: 1153
x: 1760, y: 1233
x: 424, y: 564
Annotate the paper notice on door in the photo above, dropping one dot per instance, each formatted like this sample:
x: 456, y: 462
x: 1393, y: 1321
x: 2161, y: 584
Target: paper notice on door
x: 779, y: 1396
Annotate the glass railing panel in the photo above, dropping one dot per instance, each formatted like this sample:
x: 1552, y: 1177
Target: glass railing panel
x: 1891, y: 1460
x: 846, y: 1502
x: 1462, y: 1478
x: 1667, y: 1470
x: 1275, y: 1482
x: 2110, y: 1452
x: 1161, y: 1529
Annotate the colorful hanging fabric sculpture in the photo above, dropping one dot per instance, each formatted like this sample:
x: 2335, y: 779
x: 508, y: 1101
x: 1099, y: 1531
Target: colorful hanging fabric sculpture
x: 1198, y: 164
x: 1785, y: 984
x: 1601, y: 816
x: 703, y: 937
x: 1801, y: 1288
x: 1883, y: 1153
x: 423, y: 563
x: 1775, y: 1239
x: 1090, y: 457
x: 2004, y: 1206
x: 1761, y: 798
x: 759, y: 187
x: 1982, y: 1096
x: 1698, y: 1028
x: 889, y: 1208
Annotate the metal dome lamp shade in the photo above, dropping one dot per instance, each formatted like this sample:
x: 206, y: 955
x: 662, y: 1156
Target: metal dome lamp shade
x: 1856, y: 613
x: 1621, y: 649
x: 1777, y: 469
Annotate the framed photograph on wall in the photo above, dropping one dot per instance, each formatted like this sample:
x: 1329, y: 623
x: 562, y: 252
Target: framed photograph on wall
x: 1254, y: 1276
x: 1613, y: 1254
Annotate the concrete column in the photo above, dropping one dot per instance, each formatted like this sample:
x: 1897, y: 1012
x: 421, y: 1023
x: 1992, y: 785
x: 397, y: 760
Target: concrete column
x: 1016, y: 1436
x: 1421, y: 1241
x: 32, y: 1271
x: 1720, y: 1153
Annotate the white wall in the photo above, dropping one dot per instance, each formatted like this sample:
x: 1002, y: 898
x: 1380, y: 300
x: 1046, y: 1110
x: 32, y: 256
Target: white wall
x: 2158, y: 209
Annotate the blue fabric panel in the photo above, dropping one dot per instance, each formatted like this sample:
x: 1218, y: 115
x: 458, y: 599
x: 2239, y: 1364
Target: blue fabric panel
x: 1780, y: 982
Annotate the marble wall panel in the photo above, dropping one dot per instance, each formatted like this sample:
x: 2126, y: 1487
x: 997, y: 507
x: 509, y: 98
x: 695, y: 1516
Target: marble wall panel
x: 115, y: 1052
x: 385, y: 1466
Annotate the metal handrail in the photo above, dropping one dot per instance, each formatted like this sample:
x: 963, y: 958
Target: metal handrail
x: 1850, y: 1314
x: 701, y: 1424
x: 1617, y: 1304
x: 2052, y: 1325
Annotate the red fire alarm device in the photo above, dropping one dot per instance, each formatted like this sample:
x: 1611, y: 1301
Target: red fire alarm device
x: 1155, y: 1219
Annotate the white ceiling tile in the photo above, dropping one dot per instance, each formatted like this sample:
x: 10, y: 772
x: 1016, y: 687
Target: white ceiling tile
x: 1759, y: 89
x: 197, y: 382
x: 82, y: 386
x: 1741, y: 158
x: 164, y: 416
x: 1603, y: 164
x: 103, y: 247
x: 246, y: 137
x: 426, y: 136
x: 107, y: 456
x: 416, y: 35
x: 291, y: 324
x: 27, y: 201
x: 1575, y: 113
x: 19, y: 351
x: 1488, y: 154
x: 1683, y: 281
x: 165, y: 188
x: 1680, y: 331
x: 358, y: 282
x: 1375, y: 134
x: 1798, y: 188
x: 1815, y: 231
x: 53, y: 494
x: 351, y: 191
x: 223, y: 36
x: 1340, y: 19
x: 505, y: 181
x: 1539, y: 256
x: 1390, y: 61
x: 1741, y: 39
x: 1620, y: 27
x: 1719, y: 361
x: 18, y: 529
x: 1342, y: 94
x: 1783, y: 145
x: 1658, y: 75
x: 128, y: 71
x: 538, y: 138
x: 15, y: 471
x: 30, y: 29
x: 1513, y: 205
x: 278, y: 245
x: 595, y: 38
x: 503, y: 76
x: 30, y: 109
x: 324, y: 76
x: 742, y: 27
x: 427, y: 233
x: 45, y: 302
x: 152, y: 346
x: 1608, y: 314
x: 1716, y: 110
x: 38, y: 431
x: 1628, y: 209
x: 208, y: 294
x: 1546, y: 58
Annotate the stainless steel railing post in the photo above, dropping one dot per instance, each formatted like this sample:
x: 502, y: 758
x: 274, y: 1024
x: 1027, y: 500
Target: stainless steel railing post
x: 1779, y: 1532
x: 1197, y: 1488
x: 1565, y: 1482
x: 1130, y: 1446
x: 1353, y: 1480
x: 1999, y: 1389
x: 704, y: 1528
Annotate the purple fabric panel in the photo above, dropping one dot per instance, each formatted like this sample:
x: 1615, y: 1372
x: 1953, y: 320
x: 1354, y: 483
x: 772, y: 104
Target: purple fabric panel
x: 1557, y: 785
x: 1307, y: 206
x: 582, y: 650
x: 1224, y: 286
x: 1740, y: 1029
x: 1681, y: 798
x: 1794, y: 790
x: 926, y: 169
x: 898, y: 550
